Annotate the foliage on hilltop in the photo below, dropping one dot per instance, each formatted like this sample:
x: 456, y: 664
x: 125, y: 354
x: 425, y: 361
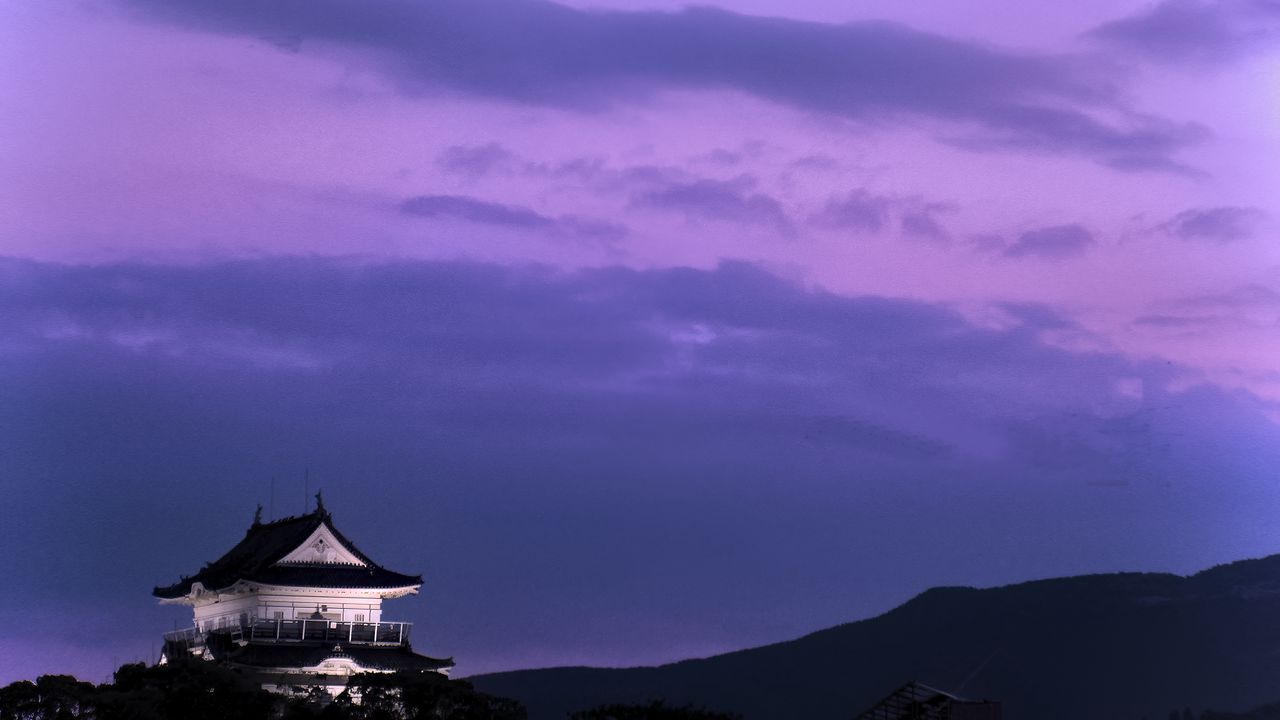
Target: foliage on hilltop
x: 197, y: 690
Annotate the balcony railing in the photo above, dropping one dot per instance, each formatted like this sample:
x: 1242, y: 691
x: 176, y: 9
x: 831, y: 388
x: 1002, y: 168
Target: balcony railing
x: 298, y: 631
x: 191, y: 637
x: 364, y: 633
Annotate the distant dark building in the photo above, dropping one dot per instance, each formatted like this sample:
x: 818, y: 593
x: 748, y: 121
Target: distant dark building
x: 914, y: 701
x: 296, y: 605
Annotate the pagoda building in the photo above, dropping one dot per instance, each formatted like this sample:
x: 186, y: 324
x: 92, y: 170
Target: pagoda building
x: 296, y: 605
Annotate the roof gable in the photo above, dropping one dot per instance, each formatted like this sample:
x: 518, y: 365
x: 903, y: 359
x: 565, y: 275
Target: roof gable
x: 322, y: 547
x: 290, y: 551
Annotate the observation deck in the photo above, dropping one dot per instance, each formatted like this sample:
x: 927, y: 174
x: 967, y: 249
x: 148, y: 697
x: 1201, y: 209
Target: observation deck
x: 308, y: 631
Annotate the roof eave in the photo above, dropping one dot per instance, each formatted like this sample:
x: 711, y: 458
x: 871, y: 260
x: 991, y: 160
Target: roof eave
x: 381, y: 589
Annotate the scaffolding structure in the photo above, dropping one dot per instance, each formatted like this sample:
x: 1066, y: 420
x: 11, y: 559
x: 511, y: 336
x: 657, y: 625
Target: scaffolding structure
x: 917, y: 701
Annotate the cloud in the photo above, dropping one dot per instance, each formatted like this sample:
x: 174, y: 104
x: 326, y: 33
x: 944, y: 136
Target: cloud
x: 597, y: 175
x: 705, y: 426
x: 611, y: 332
x: 728, y: 200
x: 490, y: 213
x: 863, y: 211
x: 592, y: 171
x: 1178, y: 322
x: 816, y: 161
x: 602, y: 230
x: 857, y: 210
x: 922, y: 224
x: 477, y: 160
x: 1196, y: 32
x: 1243, y: 297
x: 1055, y: 242
x: 707, y: 346
x: 547, y: 54
x: 720, y: 156
x: 1215, y: 224
x: 1252, y: 308
x: 479, y: 211
x: 1247, y: 314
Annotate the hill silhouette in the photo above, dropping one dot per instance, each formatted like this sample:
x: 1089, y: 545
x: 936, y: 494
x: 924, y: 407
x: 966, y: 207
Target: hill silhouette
x: 1123, y: 646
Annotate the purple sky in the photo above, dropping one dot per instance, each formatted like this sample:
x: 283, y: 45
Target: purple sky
x: 642, y: 331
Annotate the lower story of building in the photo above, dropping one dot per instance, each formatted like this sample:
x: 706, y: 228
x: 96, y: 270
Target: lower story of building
x: 296, y: 667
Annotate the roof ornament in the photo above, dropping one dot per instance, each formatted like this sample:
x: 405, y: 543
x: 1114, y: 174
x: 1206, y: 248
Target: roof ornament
x: 257, y: 516
x: 320, y: 503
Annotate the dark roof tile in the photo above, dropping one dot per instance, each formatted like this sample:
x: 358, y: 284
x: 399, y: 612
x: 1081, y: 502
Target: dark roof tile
x: 298, y: 656
x: 254, y: 558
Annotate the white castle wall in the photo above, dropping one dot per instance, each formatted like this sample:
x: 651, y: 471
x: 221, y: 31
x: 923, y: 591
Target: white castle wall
x: 229, y: 609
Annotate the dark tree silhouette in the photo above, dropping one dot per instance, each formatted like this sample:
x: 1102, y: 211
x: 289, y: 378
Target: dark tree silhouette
x: 188, y: 689
x: 198, y: 690
x: 422, y: 695
x: 50, y: 697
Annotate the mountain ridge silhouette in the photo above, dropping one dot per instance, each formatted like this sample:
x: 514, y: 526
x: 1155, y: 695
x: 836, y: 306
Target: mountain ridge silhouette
x: 1121, y: 645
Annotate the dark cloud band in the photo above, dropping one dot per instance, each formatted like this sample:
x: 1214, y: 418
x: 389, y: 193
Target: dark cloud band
x: 543, y: 53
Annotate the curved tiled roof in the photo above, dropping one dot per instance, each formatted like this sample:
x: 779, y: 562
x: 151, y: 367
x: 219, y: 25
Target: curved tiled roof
x: 254, y: 559
x: 299, y: 656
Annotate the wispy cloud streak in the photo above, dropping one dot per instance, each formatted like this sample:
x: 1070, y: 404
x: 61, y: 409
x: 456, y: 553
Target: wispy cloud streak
x: 542, y: 53
x: 1196, y: 32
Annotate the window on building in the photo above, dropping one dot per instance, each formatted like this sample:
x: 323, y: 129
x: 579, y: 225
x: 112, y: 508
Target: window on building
x: 278, y: 615
x: 359, y: 617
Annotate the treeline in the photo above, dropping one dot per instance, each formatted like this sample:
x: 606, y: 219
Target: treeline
x: 198, y: 690
x: 1262, y: 712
